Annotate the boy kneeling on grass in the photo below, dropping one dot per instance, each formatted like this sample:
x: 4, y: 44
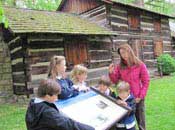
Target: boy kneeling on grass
x: 42, y: 114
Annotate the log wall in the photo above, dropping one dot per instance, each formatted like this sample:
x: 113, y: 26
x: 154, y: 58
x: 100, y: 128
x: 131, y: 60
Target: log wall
x: 146, y: 35
x: 31, y: 56
x: 6, y: 89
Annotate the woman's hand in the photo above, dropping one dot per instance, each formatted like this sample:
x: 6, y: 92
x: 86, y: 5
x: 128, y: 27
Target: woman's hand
x: 138, y: 100
x: 111, y: 68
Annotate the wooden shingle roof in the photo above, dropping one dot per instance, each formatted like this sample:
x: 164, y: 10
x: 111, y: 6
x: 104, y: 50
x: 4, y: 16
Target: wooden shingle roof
x: 34, y: 21
x: 138, y: 7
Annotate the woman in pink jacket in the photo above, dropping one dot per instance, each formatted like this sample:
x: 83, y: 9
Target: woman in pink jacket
x: 132, y: 70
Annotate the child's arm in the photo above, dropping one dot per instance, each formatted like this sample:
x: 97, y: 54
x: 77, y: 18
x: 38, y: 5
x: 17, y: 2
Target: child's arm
x: 120, y: 102
x: 67, y: 89
x: 132, y: 104
x: 57, y: 121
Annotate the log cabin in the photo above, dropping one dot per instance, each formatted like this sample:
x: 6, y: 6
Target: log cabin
x: 147, y: 31
x: 33, y: 37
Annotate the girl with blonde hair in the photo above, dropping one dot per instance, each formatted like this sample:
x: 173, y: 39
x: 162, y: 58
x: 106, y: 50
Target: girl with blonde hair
x: 57, y: 71
x: 132, y: 70
x: 79, y: 75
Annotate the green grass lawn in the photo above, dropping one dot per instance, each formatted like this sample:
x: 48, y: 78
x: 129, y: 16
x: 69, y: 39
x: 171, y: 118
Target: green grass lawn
x: 160, y: 108
x: 160, y: 104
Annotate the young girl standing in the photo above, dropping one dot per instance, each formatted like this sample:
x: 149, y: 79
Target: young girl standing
x: 79, y: 75
x: 57, y: 70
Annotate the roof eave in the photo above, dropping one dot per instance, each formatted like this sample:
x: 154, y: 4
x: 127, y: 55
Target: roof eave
x: 140, y: 8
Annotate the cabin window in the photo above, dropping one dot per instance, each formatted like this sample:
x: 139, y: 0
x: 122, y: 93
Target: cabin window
x: 76, y: 53
x: 133, y: 21
x: 158, y: 48
x: 157, y: 25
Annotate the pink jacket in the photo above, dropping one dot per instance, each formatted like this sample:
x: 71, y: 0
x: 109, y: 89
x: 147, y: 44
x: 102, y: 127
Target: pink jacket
x: 136, y: 76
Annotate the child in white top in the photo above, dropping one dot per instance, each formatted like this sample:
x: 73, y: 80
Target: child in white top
x: 78, y: 76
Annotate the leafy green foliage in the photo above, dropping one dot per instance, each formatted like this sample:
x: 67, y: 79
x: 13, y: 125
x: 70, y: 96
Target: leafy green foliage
x: 50, y: 5
x: 43, y: 4
x: 162, y: 6
x: 2, y: 17
x: 166, y: 63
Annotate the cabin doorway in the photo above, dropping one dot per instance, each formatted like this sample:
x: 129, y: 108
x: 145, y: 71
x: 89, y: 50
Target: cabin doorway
x: 76, y: 52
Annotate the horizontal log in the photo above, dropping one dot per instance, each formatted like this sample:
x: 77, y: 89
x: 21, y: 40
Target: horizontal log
x: 113, y: 23
x: 119, y: 28
x: 37, y: 70
x: 14, y: 41
x: 147, y: 26
x: 148, y: 48
x: 167, y: 48
x: 100, y: 55
x: 166, y: 38
x: 15, y: 45
x: 18, y: 67
x: 97, y: 72
x: 35, y: 60
x: 45, y: 44
x: 118, y: 8
x: 19, y: 78
x: 98, y: 39
x: 149, y: 56
x: 147, y: 20
x: 45, y: 37
x: 18, y: 54
x: 119, y: 20
x: 167, y: 52
x: 97, y: 12
x: 118, y: 14
x: 15, y: 61
x: 15, y: 49
x: 146, y: 17
x: 99, y: 16
x: 100, y: 46
x: 99, y: 63
x: 38, y: 77
x: 44, y: 52
x: 150, y: 63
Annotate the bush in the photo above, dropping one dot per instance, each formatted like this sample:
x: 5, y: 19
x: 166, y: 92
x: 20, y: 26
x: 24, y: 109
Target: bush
x: 167, y: 62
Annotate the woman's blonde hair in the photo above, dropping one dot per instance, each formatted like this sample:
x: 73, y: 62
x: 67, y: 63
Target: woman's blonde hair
x: 77, y: 70
x: 55, y: 60
x: 123, y: 86
x: 133, y: 59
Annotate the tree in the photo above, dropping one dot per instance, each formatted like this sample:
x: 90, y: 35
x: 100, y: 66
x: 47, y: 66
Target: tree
x: 162, y: 6
x: 34, y: 4
x: 2, y: 17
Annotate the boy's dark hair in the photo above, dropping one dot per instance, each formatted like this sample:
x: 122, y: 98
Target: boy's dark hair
x: 48, y: 87
x: 105, y: 81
